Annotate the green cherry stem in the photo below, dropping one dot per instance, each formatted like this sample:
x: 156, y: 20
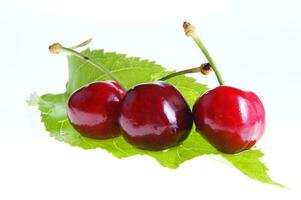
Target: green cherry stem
x: 186, y: 71
x: 56, y: 48
x: 190, y: 32
x: 204, y: 68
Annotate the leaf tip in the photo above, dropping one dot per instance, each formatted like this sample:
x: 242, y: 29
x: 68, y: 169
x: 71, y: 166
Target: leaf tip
x: 33, y: 100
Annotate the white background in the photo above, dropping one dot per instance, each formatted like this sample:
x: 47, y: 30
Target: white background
x: 255, y: 43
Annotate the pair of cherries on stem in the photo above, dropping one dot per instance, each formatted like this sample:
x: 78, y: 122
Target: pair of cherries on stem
x: 151, y: 116
x: 155, y: 116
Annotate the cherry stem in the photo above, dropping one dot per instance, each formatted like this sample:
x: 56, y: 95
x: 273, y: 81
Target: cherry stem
x: 190, y: 32
x: 56, y: 48
x: 186, y: 71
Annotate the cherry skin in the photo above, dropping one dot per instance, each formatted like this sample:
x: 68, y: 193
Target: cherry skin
x: 94, y: 109
x: 232, y: 120
x: 155, y: 116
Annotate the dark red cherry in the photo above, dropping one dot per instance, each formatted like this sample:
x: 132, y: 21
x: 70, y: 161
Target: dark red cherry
x: 232, y: 120
x: 155, y: 116
x: 94, y: 109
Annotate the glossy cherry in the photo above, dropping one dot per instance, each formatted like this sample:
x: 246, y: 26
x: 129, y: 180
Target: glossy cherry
x: 94, y: 109
x: 155, y: 116
x: 232, y: 120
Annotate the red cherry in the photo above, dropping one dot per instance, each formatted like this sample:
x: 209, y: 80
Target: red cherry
x: 232, y: 120
x: 155, y: 116
x: 94, y: 109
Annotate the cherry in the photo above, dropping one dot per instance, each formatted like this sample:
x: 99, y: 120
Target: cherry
x: 94, y: 109
x: 232, y: 120
x: 155, y: 116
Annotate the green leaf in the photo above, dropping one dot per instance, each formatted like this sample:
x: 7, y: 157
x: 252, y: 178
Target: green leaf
x: 253, y: 168
x: 133, y: 71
